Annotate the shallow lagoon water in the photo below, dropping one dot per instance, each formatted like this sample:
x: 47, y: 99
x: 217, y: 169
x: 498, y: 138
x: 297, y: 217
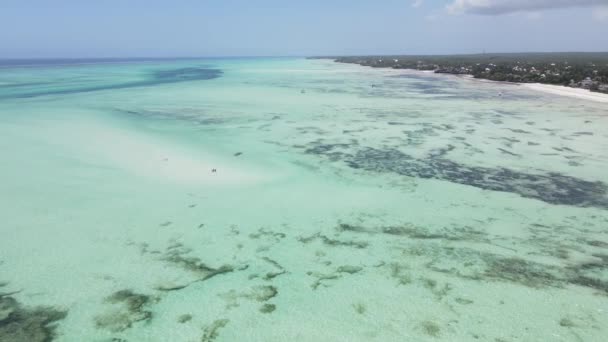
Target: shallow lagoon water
x: 348, y: 204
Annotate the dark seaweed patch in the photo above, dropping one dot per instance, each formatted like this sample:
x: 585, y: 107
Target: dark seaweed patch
x: 597, y: 243
x: 567, y: 323
x: 272, y: 275
x: 463, y: 301
x: 508, y: 152
x: 184, y: 318
x: 349, y: 269
x: 333, y: 242
x: 185, y: 74
x: 400, y: 273
x: 438, y: 291
x: 128, y: 308
x: 442, y: 151
x: 268, y: 308
x: 430, y: 328
x: 340, y: 272
x: 261, y: 293
x: 414, y: 232
x: 153, y: 78
x: 262, y: 232
x: 177, y: 255
x: 212, y: 331
x: 428, y: 88
x: 359, y: 308
x: 521, y: 271
x: 553, y: 188
x: 520, y: 131
x: 320, y: 278
x: 19, y: 324
x: 196, y: 116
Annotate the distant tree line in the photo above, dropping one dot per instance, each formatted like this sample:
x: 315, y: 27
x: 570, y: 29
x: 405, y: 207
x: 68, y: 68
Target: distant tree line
x: 580, y: 70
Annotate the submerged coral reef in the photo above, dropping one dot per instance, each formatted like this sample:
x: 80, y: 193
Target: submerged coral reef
x: 126, y: 308
x: 20, y: 324
x: 550, y: 187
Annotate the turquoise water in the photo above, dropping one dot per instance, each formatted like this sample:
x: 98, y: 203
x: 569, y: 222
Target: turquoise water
x: 347, y: 204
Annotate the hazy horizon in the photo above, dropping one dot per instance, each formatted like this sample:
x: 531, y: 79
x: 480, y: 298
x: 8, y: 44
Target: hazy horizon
x: 143, y: 58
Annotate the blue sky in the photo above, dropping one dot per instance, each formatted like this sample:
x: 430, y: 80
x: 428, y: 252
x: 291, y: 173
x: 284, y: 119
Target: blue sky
x: 155, y: 28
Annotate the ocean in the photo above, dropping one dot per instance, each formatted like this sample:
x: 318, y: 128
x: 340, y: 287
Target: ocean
x: 276, y: 199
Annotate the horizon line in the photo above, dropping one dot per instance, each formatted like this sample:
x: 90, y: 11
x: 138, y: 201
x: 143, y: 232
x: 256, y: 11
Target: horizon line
x: 288, y: 56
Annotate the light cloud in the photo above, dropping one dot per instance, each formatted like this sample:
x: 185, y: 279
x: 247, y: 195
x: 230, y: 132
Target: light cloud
x: 417, y: 3
x: 496, y: 7
x: 601, y: 13
x: 534, y: 15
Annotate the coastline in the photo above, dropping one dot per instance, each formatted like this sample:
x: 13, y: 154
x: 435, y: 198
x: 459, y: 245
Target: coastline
x: 579, y: 93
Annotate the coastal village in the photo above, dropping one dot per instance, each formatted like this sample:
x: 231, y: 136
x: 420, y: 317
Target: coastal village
x: 576, y: 70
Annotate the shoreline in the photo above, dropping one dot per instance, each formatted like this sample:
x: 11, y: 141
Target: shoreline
x: 579, y: 93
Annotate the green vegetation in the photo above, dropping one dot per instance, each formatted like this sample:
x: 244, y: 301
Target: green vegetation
x: 588, y: 70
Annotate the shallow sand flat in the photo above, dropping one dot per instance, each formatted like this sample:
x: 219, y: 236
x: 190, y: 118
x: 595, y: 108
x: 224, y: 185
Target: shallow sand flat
x: 424, y: 208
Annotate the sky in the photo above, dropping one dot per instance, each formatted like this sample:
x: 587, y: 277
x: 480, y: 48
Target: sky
x: 201, y: 28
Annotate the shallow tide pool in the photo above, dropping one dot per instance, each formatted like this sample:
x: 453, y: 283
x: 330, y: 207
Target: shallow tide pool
x: 292, y: 199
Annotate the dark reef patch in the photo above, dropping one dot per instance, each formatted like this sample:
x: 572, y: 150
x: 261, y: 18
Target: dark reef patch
x: 415, y: 232
x: 349, y: 269
x: 508, y: 152
x: 177, y: 256
x: 475, y: 265
x: 333, y: 242
x: 268, y: 308
x: 185, y: 74
x: 553, y: 188
x: 260, y: 293
x: 401, y: 273
x: 184, y: 318
x: 193, y: 115
x: 212, y: 331
x: 262, y: 232
x: 153, y: 78
x: 359, y: 308
x: 128, y: 308
x: 521, y: 271
x: 271, y: 275
x: 430, y: 328
x: 340, y: 272
x: 19, y: 324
